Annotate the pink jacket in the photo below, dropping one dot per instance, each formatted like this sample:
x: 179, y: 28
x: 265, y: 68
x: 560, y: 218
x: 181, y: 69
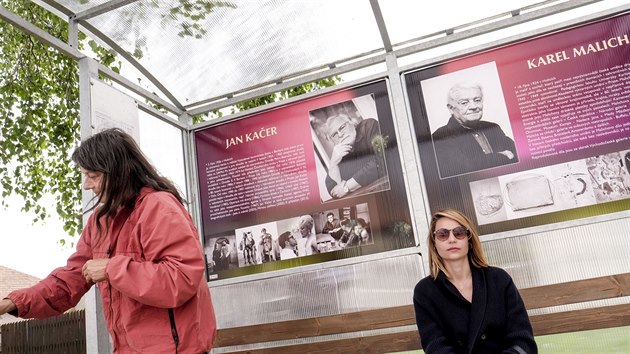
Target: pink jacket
x: 156, y: 264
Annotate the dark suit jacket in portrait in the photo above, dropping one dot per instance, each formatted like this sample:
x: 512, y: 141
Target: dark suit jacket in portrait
x: 495, y: 322
x: 362, y: 163
x: 458, y: 152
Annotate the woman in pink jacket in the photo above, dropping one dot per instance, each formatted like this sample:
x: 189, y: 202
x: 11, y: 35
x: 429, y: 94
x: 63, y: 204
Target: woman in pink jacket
x: 142, y: 250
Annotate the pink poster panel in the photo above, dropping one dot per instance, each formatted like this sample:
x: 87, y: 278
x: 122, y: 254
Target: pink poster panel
x: 308, y: 182
x: 531, y: 133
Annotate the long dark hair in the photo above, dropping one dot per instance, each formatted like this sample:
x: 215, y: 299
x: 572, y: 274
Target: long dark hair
x: 125, y: 171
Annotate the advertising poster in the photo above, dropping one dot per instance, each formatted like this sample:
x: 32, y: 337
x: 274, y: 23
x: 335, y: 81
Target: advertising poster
x: 531, y: 133
x: 305, y: 183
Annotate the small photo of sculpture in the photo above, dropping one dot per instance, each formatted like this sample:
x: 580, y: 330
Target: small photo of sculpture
x: 529, y: 191
x: 572, y: 186
x: 609, y: 176
x: 488, y: 200
x: 533, y: 192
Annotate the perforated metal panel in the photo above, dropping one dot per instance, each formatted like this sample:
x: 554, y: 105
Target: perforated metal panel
x: 376, y: 284
x: 571, y: 253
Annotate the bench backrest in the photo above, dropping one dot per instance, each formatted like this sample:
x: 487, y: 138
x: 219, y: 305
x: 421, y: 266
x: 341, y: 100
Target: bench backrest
x: 573, y: 292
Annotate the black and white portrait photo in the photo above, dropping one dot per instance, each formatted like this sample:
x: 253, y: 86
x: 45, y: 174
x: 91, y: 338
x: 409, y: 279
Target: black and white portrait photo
x: 349, y: 149
x: 220, y: 252
x: 469, y: 122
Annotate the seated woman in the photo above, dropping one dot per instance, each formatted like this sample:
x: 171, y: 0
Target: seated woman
x: 466, y: 306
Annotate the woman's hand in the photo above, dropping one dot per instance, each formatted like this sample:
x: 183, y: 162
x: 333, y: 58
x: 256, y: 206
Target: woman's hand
x: 94, y: 270
x: 6, y: 306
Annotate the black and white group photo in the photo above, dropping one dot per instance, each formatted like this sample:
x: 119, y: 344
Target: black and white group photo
x: 303, y: 235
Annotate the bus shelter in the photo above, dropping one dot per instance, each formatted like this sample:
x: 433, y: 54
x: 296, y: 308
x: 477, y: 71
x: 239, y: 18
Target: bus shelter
x: 554, y: 76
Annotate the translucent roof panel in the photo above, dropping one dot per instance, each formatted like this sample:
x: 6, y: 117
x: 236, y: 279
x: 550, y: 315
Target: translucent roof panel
x: 77, y: 6
x: 200, y: 53
x: 406, y: 20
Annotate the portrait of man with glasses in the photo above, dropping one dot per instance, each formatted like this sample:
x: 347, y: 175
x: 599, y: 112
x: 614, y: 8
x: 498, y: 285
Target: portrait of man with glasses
x: 353, y: 163
x: 467, y: 143
x: 350, y: 147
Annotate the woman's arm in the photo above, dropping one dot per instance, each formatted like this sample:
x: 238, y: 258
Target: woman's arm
x: 173, y: 265
x: 59, y: 291
x: 519, y: 333
x: 431, y: 335
x: 6, y: 306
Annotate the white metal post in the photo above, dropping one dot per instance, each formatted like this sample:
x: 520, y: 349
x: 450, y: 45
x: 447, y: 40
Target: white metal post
x: 97, y: 337
x: 407, y: 144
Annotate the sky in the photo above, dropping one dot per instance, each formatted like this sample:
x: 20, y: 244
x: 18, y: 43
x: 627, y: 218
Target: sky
x: 30, y: 248
x: 34, y: 249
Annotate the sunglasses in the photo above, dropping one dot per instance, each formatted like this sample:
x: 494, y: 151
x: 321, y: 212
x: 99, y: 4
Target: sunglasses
x: 459, y: 232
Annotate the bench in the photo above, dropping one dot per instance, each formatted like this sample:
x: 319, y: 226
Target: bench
x: 401, y: 317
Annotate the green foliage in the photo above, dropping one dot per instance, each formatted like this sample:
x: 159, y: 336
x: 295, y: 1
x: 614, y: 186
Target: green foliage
x: 278, y: 96
x: 39, y: 119
x: 190, y: 17
x: 105, y: 56
x: 195, y: 11
x: 379, y: 144
x: 292, y: 92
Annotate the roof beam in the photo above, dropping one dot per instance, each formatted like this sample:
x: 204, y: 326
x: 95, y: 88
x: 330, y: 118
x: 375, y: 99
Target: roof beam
x: 121, y: 80
x: 380, y: 21
x: 40, y: 34
x: 288, y: 84
x: 287, y: 78
x: 57, y: 7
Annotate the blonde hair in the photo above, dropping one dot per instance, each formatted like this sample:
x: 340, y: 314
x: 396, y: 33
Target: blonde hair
x: 475, y: 251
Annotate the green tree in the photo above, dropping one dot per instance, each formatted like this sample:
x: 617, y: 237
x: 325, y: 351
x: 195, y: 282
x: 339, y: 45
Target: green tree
x: 277, y: 96
x: 39, y: 95
x: 39, y: 122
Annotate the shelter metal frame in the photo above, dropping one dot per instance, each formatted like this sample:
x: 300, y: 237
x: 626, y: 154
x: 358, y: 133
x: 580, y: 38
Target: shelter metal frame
x: 423, y: 43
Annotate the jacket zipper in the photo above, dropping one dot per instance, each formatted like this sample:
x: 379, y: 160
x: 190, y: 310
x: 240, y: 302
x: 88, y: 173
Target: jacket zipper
x: 171, y: 317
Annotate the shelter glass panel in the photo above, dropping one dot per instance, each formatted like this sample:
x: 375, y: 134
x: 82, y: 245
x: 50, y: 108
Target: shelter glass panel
x: 163, y: 145
x: 215, y: 50
x: 77, y: 6
x: 407, y: 20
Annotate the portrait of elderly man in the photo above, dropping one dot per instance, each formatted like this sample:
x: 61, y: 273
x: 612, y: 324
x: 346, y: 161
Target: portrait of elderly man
x: 467, y: 143
x: 353, y: 162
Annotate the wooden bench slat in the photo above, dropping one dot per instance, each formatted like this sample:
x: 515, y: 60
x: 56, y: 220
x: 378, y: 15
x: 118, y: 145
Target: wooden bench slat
x: 577, y: 291
x: 312, y: 327
x: 538, y: 297
x: 581, y: 320
x: 394, y: 342
x: 553, y: 323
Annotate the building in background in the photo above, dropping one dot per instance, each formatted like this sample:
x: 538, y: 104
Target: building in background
x: 13, y: 280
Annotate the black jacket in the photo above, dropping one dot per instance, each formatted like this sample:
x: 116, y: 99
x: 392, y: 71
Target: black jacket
x: 495, y: 322
x: 458, y: 152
